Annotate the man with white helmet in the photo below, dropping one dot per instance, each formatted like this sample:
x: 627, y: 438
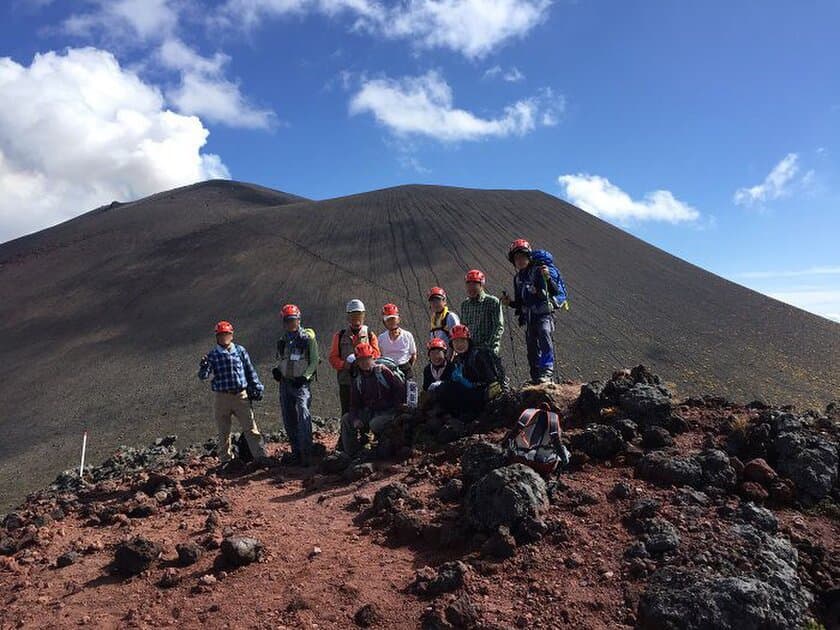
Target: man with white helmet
x: 343, y: 346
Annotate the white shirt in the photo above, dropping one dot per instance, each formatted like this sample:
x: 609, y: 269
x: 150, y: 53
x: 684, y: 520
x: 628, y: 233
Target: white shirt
x: 399, y: 350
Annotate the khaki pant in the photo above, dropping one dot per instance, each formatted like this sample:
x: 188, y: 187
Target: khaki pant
x: 225, y: 405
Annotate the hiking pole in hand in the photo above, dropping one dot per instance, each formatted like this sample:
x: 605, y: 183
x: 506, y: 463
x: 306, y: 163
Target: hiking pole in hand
x: 512, y: 344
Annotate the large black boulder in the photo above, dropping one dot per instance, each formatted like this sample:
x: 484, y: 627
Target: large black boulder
x: 647, y: 405
x: 810, y: 462
x: 480, y: 458
x: 508, y: 496
x: 599, y: 441
x: 663, y: 469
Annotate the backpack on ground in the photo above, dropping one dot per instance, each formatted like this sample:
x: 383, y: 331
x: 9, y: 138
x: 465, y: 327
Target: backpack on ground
x: 535, y: 441
x: 241, y: 450
x: 544, y: 257
x: 378, y: 364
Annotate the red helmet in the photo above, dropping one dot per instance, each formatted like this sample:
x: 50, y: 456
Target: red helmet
x: 390, y: 310
x: 290, y: 311
x: 517, y: 246
x: 459, y: 332
x: 474, y: 275
x: 364, y: 351
x: 224, y: 327
x: 436, y: 344
x: 437, y: 292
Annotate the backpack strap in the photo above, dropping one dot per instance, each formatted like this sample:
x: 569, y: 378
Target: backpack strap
x: 553, y: 425
x: 527, y: 417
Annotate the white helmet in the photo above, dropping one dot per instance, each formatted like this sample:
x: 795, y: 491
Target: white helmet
x: 355, y: 306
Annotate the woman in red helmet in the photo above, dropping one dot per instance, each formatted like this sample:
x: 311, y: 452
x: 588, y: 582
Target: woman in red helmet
x: 442, y: 319
x: 439, y: 369
x: 477, y: 377
x: 396, y: 343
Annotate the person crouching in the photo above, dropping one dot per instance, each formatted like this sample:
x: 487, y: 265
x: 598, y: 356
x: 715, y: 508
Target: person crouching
x: 437, y: 372
x: 476, y: 377
x: 375, y: 397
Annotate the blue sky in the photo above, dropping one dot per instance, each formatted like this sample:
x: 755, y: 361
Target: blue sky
x: 711, y: 130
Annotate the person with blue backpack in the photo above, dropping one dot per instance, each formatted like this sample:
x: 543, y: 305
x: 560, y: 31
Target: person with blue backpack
x: 538, y: 290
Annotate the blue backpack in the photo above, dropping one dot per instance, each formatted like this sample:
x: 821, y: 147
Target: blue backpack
x: 544, y: 257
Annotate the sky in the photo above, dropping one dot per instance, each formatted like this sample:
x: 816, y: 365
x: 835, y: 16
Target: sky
x: 711, y: 130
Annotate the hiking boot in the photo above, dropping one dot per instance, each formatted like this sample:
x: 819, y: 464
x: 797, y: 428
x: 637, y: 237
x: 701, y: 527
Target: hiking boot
x: 290, y: 459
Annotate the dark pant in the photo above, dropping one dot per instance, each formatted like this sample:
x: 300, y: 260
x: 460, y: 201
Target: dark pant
x: 294, y: 403
x: 344, y: 397
x: 460, y: 400
x: 539, y: 331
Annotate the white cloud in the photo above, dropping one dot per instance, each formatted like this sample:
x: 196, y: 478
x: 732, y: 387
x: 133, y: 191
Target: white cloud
x: 121, y: 20
x: 204, y: 91
x: 90, y: 132
x: 423, y: 106
x: 777, y: 183
x: 473, y: 28
x: 598, y: 196
x: 513, y: 75
x: 795, y: 273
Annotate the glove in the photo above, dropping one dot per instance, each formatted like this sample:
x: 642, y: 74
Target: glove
x: 351, y: 359
x: 277, y: 374
x: 493, y: 390
x: 204, y: 363
x: 300, y: 381
x: 435, y: 385
x: 254, y: 394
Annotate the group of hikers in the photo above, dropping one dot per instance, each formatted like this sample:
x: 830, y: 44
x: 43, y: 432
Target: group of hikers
x: 376, y: 372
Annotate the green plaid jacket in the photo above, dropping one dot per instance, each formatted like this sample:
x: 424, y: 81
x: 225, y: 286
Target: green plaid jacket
x: 484, y: 317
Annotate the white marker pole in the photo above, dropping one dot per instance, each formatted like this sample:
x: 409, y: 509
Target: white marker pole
x: 84, y: 446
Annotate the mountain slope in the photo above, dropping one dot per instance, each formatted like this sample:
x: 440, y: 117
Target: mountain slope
x: 108, y: 314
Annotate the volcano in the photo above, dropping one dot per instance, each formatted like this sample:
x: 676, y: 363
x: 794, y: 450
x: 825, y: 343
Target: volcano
x: 105, y: 317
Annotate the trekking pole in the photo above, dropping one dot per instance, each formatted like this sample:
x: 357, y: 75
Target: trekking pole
x: 512, y: 344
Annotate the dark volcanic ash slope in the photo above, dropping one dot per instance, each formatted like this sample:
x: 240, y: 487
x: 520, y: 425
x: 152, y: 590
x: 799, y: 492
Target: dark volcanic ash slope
x: 106, y: 316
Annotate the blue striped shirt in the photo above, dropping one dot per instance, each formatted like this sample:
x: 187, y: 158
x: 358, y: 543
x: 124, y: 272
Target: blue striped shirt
x: 231, y: 368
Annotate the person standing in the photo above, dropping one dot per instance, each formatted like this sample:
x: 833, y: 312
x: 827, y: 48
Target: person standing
x: 235, y: 384
x: 396, y: 343
x: 482, y: 314
x: 297, y: 362
x: 442, y: 319
x: 532, y: 302
x: 343, y: 347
